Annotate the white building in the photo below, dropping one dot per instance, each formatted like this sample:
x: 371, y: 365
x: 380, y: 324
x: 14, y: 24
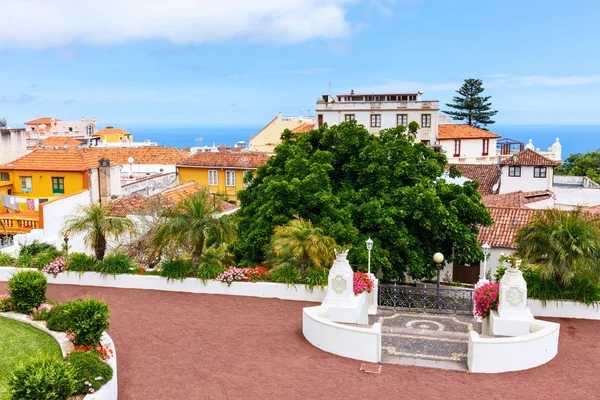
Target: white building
x: 42, y: 128
x: 464, y: 143
x: 527, y: 171
x: 13, y: 144
x: 381, y: 111
x: 269, y: 137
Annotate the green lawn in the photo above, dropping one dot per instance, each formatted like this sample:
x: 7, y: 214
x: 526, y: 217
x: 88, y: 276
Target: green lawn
x: 20, y: 343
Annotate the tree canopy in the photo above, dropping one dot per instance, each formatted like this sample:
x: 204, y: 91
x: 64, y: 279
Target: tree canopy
x: 587, y: 164
x: 470, y: 107
x: 353, y: 185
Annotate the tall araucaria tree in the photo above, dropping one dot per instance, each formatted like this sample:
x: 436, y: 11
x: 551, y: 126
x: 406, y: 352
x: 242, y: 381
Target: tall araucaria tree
x: 96, y: 223
x: 353, y: 185
x: 470, y: 107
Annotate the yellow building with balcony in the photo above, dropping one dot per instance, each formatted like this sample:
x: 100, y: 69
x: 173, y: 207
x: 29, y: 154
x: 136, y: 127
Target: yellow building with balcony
x: 220, y: 173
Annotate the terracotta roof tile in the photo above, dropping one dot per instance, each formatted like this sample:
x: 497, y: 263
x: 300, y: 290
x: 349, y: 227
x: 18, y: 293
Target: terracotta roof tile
x: 141, y: 155
x: 40, y: 121
x: 60, y: 141
x: 487, y: 175
x: 515, y: 199
x: 506, y: 223
x: 176, y: 194
x: 304, y: 128
x: 230, y: 160
x: 128, y: 205
x: 529, y: 157
x: 70, y: 159
x: 463, y: 131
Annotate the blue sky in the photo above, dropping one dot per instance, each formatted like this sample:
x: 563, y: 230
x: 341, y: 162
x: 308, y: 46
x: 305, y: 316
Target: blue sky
x: 236, y: 62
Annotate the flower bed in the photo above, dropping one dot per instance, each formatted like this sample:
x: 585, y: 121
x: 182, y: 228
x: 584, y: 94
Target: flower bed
x: 486, y: 299
x: 362, y: 283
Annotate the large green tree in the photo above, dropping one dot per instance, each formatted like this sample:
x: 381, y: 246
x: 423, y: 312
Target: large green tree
x: 470, y: 107
x: 353, y: 185
x: 587, y: 164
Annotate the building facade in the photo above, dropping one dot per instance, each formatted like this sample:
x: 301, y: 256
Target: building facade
x: 527, y: 171
x: 466, y: 144
x: 380, y: 111
x: 114, y: 135
x: 13, y: 144
x: 269, y: 137
x: 42, y: 128
x: 220, y: 173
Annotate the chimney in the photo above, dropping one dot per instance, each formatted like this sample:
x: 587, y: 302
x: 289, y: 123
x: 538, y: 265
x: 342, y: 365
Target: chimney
x: 104, y: 181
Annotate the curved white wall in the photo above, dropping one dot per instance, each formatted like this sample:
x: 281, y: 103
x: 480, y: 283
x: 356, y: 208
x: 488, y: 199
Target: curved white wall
x: 493, y: 355
x: 344, y: 340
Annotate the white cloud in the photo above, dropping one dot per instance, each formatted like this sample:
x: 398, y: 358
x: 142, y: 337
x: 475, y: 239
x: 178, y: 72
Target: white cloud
x: 44, y: 23
x: 498, y: 81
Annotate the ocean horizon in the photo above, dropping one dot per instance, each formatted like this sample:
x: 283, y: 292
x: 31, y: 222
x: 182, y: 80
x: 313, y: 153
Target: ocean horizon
x: 573, y: 138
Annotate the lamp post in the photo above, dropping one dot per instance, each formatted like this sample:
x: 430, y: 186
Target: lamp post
x: 438, y: 259
x: 130, y: 160
x: 486, y: 251
x: 369, y: 248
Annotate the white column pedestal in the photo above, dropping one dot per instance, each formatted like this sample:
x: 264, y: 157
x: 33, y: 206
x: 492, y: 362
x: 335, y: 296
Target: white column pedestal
x: 513, y: 317
x: 373, y: 296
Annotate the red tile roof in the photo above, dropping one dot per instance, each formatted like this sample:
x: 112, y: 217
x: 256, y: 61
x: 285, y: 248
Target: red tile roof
x: 487, y: 175
x: 111, y: 131
x: 515, y: 199
x: 463, y: 131
x: 304, y: 128
x: 60, y: 141
x: 136, y: 204
x: 40, y: 121
x: 529, y: 157
x: 226, y: 160
x: 506, y: 223
x: 69, y: 159
x: 141, y: 155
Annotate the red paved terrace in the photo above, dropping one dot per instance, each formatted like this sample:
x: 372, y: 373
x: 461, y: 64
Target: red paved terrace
x: 196, y: 346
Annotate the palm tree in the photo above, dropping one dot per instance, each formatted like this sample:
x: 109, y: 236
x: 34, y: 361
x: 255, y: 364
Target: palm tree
x: 561, y: 243
x: 300, y: 242
x: 97, y: 224
x: 190, y: 223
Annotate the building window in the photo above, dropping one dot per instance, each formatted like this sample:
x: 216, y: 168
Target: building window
x: 320, y: 120
x: 514, y: 171
x: 375, y: 120
x: 349, y: 117
x: 244, y: 178
x: 25, y: 184
x: 402, y: 119
x: 426, y: 142
x: 58, y: 185
x: 230, y: 178
x: 213, y: 177
x: 539, y: 172
x: 4, y: 176
x: 90, y: 130
x: 456, y: 148
x: 425, y: 120
x: 486, y: 147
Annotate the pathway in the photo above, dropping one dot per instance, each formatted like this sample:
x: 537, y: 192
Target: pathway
x: 197, y: 346
x: 425, y: 340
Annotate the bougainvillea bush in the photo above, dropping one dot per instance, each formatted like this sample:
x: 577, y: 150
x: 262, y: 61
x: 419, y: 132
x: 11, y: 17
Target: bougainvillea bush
x: 234, y: 274
x: 42, y: 312
x: 5, y: 304
x: 486, y: 299
x: 55, y: 267
x: 362, y: 283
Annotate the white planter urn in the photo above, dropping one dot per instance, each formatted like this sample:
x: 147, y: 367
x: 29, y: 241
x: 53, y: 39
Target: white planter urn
x: 513, y: 317
x: 340, y: 300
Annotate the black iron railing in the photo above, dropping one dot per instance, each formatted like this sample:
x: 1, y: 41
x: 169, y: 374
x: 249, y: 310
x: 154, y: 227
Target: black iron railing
x: 447, y: 301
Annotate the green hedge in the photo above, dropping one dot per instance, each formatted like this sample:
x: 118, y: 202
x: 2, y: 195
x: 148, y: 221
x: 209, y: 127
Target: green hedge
x: 27, y: 290
x: 43, y: 380
x: 87, y: 319
x: 88, y: 367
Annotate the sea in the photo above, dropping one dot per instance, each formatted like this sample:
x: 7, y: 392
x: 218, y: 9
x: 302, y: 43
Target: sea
x: 573, y: 138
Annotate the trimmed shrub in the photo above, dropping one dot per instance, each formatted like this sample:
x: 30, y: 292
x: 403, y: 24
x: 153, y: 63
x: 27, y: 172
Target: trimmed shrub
x: 60, y: 317
x: 27, y: 290
x: 24, y: 261
x: 6, y: 260
x: 88, y: 319
x: 581, y: 288
x: 42, y: 380
x: 81, y: 262
x: 116, y: 264
x: 89, y: 371
x: 176, y: 268
x: 35, y: 248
